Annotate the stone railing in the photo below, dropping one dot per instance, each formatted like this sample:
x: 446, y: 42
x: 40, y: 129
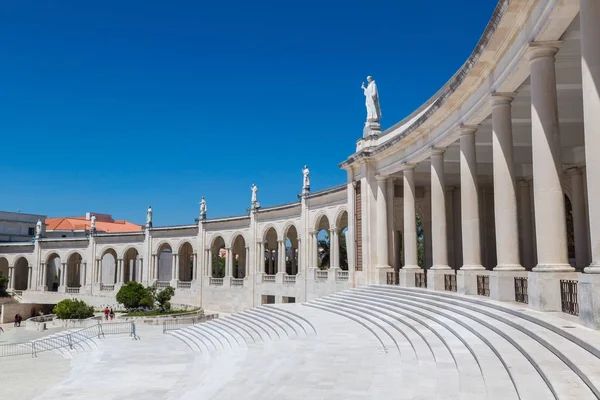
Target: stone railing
x: 237, y: 282
x: 268, y: 278
x: 107, y: 288
x: 215, y: 281
x: 321, y: 276
x: 184, y: 285
x: 289, y: 279
x: 18, y: 293
x: 162, y: 284
x: 342, y: 275
x: 72, y: 290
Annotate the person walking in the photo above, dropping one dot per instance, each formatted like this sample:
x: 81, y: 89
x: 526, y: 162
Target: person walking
x: 16, y: 319
x: 106, y: 312
x: 112, y: 314
x: 20, y: 319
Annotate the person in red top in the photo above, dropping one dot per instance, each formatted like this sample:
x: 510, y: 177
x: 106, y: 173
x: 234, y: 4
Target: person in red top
x: 106, y: 312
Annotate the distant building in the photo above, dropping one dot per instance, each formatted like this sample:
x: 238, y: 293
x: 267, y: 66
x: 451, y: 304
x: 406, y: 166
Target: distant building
x: 80, y: 226
x: 18, y: 227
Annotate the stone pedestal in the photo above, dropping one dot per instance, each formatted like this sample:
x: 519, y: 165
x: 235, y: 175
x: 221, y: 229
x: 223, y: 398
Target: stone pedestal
x: 407, y: 277
x: 466, y: 280
x: 172, y: 282
x: 332, y: 274
x: 279, y: 277
x: 435, y: 278
x: 502, y: 284
x: 381, y: 274
x: 588, y: 290
x: 62, y: 289
x: 544, y: 289
x: 371, y: 129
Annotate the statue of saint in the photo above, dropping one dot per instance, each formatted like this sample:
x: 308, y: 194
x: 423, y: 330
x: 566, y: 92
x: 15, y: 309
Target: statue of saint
x: 202, y: 207
x: 93, y: 223
x: 38, y: 229
x: 372, y: 100
x: 254, y: 189
x: 306, y: 180
x: 149, y: 217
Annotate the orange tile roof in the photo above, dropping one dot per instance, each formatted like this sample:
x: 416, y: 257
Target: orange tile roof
x: 80, y: 223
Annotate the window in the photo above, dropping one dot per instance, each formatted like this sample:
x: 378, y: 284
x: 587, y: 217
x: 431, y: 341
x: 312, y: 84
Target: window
x: 31, y: 231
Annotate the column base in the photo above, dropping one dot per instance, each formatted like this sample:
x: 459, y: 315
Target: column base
x: 172, y: 283
x: 407, y: 276
x: 332, y: 274
x: 592, y: 269
x: 502, y: 284
x: 588, y: 298
x: 544, y: 289
x: 472, y: 267
x: 279, y: 277
x: 62, y: 289
x: 466, y: 280
x: 381, y: 274
x: 435, y: 278
x: 509, y: 267
x: 550, y: 268
x: 439, y: 267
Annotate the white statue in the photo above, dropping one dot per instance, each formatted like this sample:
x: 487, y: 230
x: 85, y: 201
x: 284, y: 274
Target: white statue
x: 93, y: 223
x: 306, y: 180
x: 202, y: 207
x: 38, y: 229
x: 254, y: 189
x: 372, y: 100
x: 149, y: 217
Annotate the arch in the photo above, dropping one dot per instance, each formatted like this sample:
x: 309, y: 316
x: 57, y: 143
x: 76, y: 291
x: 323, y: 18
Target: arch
x: 291, y: 249
x: 214, y: 239
x: 271, y: 243
x: 323, y: 248
x: 183, y: 243
x: 288, y: 225
x: 235, y: 236
x: 238, y: 253
x: 21, y: 271
x: 341, y: 225
x: 53, y: 272
x: 267, y: 229
x: 341, y: 217
x: 186, y: 261
x: 128, y: 248
x: 108, y: 261
x: 73, y: 270
x: 164, y: 255
x: 217, y: 258
x: 108, y: 249
x: 132, y: 264
x: 3, y: 266
x: 319, y: 219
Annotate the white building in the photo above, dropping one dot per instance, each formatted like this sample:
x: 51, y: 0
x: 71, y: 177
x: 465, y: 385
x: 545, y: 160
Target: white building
x: 18, y: 227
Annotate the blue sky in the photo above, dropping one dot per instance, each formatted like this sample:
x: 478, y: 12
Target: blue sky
x: 116, y: 105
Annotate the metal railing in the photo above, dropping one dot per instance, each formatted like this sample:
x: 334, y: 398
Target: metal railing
x: 162, y: 284
x: 321, y: 275
x: 390, y: 278
x: 483, y: 285
x: 68, y: 340
x: 342, y: 275
x: 568, y: 297
x: 450, y: 282
x: 178, y: 323
x: 268, y: 278
x: 421, y: 279
x: 237, y: 282
x: 107, y: 288
x: 18, y: 293
x: 184, y: 285
x: 521, y: 295
x: 72, y: 290
x: 289, y: 279
x: 215, y: 281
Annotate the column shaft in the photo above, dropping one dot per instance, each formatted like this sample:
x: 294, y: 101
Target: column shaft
x: 579, y: 221
x: 439, y: 240
x: 505, y: 197
x: 550, y: 221
x: 526, y: 226
x: 411, y: 260
x: 382, y: 229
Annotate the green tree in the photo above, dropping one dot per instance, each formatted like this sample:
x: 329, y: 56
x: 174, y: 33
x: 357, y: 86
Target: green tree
x: 131, y: 294
x: 343, y: 252
x: 73, y: 309
x: 163, y: 298
x: 3, y: 285
x: 324, y: 251
x: 218, y: 266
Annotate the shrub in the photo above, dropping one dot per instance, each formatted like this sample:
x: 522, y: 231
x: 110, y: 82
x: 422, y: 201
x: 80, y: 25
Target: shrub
x: 3, y: 285
x: 163, y: 297
x: 132, y: 294
x: 73, y: 309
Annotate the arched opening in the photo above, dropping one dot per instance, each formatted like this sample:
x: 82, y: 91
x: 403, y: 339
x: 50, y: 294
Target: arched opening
x: 570, y: 230
x: 109, y: 267
x: 186, y: 262
x: 53, y: 272
x: 271, y: 253
x: 74, y: 270
x: 323, y: 243
x: 342, y: 248
x: 21, y: 274
x: 291, y: 251
x: 4, y: 273
x: 238, y: 251
x: 217, y: 251
x: 132, y: 265
x: 165, y: 263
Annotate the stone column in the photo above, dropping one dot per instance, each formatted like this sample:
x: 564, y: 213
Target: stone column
x: 315, y: 250
x: 526, y: 226
x: 261, y: 257
x: 121, y: 269
x: 466, y: 277
x: 550, y: 222
x: 195, y: 267
x: 29, y: 277
x: 228, y: 262
x: 334, y: 248
x: 589, y: 12
x: 270, y: 271
x: 382, y: 266
x: 44, y: 282
x: 63, y: 275
x: 246, y: 262
x: 579, y: 221
x: 11, y: 277
x: 280, y: 256
x: 409, y: 236
x: 390, y: 222
x: 83, y: 275
x: 505, y: 197
x: 439, y: 240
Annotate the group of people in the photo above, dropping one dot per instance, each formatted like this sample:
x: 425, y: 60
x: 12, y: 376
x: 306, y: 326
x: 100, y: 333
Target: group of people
x: 18, y: 319
x: 108, y: 312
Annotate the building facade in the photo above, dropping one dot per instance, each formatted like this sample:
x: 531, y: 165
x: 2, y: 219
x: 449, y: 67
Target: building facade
x: 489, y: 183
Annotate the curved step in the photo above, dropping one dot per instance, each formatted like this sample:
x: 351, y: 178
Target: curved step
x: 291, y: 314
x: 235, y: 331
x: 252, y: 324
x: 243, y: 325
x: 269, y: 321
x: 224, y: 333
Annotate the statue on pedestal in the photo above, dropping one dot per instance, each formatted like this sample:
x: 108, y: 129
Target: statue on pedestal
x: 372, y: 126
x: 202, y: 209
x: 149, y: 217
x: 254, y: 189
x: 38, y: 229
x: 306, y: 180
x: 93, y: 224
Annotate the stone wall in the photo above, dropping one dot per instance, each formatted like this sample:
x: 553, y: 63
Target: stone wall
x: 10, y: 309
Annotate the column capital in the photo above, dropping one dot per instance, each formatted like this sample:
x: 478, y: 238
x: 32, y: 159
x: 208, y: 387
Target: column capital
x: 381, y: 178
x: 408, y: 166
x: 501, y: 99
x: 437, y: 151
x: 574, y: 171
x: 468, y: 130
x: 547, y: 49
